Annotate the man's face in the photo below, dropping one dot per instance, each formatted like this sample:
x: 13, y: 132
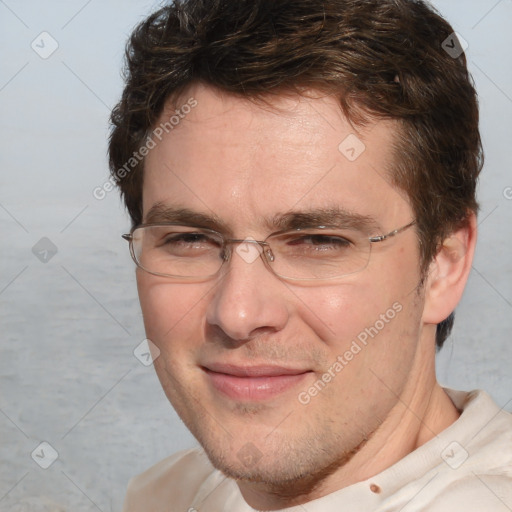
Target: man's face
x: 243, y: 353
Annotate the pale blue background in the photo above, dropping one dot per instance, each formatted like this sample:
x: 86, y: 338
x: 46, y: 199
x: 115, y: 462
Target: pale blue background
x: 68, y: 327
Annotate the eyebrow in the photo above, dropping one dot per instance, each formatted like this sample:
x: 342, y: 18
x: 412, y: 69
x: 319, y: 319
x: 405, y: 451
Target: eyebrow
x: 160, y: 213
x: 334, y: 216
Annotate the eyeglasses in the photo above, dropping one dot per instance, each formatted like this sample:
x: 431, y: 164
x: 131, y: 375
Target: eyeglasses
x: 306, y: 254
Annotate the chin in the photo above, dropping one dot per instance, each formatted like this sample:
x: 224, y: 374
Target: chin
x: 295, y: 463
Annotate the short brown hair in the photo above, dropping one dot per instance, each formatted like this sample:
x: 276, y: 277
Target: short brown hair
x: 380, y: 58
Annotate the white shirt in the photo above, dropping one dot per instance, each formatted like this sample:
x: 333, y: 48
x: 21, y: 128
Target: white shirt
x: 466, y: 468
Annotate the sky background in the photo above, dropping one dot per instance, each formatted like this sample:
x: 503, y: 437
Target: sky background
x: 69, y: 316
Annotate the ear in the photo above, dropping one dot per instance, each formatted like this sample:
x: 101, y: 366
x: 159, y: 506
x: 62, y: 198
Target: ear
x: 449, y: 271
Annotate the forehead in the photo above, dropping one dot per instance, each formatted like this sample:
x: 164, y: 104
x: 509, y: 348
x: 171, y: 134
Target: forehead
x: 243, y: 161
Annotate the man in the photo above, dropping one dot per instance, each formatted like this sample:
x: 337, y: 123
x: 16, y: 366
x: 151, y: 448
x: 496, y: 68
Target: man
x: 301, y: 180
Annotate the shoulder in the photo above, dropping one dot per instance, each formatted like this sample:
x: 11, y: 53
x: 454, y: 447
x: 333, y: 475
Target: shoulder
x: 465, y: 468
x: 476, y: 473
x: 485, y: 433
x: 171, y: 484
x: 476, y: 492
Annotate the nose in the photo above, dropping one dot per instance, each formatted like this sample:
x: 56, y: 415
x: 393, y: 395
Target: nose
x: 249, y: 299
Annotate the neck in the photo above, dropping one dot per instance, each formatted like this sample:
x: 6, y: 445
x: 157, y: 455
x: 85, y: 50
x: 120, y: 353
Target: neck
x: 421, y: 412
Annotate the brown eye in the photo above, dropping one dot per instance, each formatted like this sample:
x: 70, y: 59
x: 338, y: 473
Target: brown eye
x: 311, y: 244
x: 188, y: 244
x: 187, y: 238
x: 321, y: 240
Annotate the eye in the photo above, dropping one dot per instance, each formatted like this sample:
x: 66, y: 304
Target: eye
x: 188, y: 244
x: 320, y: 242
x: 187, y: 238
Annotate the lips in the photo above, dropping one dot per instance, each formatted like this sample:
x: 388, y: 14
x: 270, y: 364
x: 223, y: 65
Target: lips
x: 253, y: 383
x: 253, y: 371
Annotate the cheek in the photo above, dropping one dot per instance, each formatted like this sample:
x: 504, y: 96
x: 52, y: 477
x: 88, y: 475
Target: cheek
x: 369, y: 345
x: 170, y: 309
x: 380, y: 317
x: 337, y: 313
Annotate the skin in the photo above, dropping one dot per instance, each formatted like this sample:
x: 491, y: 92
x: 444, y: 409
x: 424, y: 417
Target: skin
x: 244, y: 163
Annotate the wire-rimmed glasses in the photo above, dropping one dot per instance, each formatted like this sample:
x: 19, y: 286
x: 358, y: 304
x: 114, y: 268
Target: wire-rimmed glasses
x: 306, y: 254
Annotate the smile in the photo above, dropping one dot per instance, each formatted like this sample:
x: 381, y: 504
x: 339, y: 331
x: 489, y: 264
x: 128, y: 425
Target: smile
x: 253, y: 383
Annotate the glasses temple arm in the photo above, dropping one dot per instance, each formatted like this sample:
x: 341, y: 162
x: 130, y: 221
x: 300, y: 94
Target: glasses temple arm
x: 381, y: 238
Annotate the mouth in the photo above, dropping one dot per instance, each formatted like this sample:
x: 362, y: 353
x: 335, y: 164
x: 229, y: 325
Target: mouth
x: 253, y: 383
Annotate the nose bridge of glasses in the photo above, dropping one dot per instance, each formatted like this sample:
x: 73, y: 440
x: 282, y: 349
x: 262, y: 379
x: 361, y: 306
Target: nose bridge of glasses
x: 265, y: 250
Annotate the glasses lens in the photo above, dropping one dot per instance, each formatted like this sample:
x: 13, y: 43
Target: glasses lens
x: 320, y: 253
x: 178, y: 251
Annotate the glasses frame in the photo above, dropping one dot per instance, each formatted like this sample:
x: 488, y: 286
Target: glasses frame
x: 266, y: 253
